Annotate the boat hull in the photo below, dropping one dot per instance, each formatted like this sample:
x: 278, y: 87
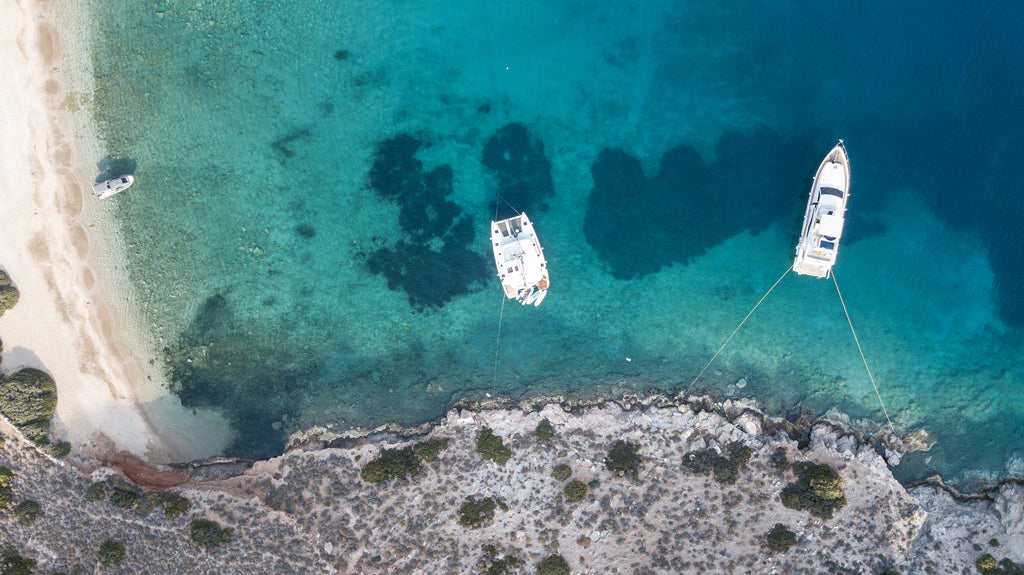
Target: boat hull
x: 825, y: 216
x: 105, y: 189
x: 519, y: 260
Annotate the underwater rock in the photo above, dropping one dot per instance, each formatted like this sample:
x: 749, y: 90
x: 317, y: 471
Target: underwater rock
x: 433, y: 263
x: 690, y: 205
x: 522, y: 169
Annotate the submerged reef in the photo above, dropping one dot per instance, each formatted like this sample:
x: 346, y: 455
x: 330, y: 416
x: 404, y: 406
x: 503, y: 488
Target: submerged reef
x: 522, y: 170
x: 433, y: 263
x: 639, y: 224
x: 217, y: 362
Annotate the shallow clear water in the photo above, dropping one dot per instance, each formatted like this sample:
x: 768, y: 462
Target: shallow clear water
x: 315, y: 181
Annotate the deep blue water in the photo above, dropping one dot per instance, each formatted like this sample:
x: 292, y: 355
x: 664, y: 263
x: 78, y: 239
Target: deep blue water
x: 307, y: 233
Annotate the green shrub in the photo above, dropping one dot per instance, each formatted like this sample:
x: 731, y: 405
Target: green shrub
x: 28, y: 399
x: 562, y: 472
x: 779, y: 459
x: 623, y: 458
x: 473, y: 514
x: 124, y: 494
x: 780, y: 539
x: 724, y: 469
x: 147, y: 503
x: 495, y: 562
x: 993, y: 542
x: 490, y: 446
x: 553, y: 565
x: 206, y: 533
x: 575, y: 491
x: 430, y: 450
x: 6, y: 491
x: 96, y: 492
x: 987, y: 565
x: 13, y: 564
x: 111, y: 553
x: 818, y: 489
x: 545, y: 431
x: 391, y: 463
x: 59, y: 449
x: 27, y: 511
x: 8, y: 293
x: 174, y: 504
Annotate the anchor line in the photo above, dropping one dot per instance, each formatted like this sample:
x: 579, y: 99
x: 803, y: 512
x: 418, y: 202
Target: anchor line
x: 864, y: 359
x: 497, y: 339
x: 789, y: 269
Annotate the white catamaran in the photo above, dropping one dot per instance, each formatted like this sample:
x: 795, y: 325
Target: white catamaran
x: 826, y: 209
x: 520, y: 260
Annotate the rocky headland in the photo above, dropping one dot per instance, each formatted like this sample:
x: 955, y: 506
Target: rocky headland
x: 614, y: 488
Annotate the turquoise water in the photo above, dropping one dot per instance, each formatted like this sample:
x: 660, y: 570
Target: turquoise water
x: 307, y: 234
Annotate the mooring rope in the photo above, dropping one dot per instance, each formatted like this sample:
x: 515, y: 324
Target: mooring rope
x: 497, y: 340
x: 864, y: 359
x: 790, y: 268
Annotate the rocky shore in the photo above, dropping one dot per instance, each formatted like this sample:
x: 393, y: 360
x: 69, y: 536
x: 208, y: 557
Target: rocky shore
x: 312, y: 510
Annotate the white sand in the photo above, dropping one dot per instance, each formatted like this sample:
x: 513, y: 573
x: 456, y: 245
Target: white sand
x: 108, y: 394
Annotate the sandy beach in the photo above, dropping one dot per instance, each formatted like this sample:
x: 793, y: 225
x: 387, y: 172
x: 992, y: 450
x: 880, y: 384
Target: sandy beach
x: 110, y: 395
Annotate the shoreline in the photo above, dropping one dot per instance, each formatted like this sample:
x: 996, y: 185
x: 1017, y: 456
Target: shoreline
x: 64, y: 322
x: 310, y: 509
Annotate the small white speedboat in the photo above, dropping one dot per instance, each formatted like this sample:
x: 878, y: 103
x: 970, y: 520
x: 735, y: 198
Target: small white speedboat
x: 519, y: 259
x: 826, y: 209
x: 108, y: 188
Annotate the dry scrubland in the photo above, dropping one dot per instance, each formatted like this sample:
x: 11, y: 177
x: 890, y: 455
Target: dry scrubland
x: 310, y: 510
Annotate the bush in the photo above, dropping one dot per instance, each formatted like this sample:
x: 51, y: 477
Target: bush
x: 473, y: 514
x: 495, y: 562
x: 391, y: 463
x: 623, y: 458
x: 562, y: 472
x: 490, y: 446
x: 779, y: 460
x: 575, y: 491
x: 987, y: 565
x: 725, y: 469
x: 6, y: 491
x: 124, y: 494
x: 27, y: 511
x: 96, y: 492
x: 553, y: 565
x: 545, y: 431
x: 59, y: 449
x: 8, y: 293
x: 780, y: 539
x: 28, y: 399
x: 430, y: 450
x: 818, y: 489
x: 206, y: 533
x: 13, y: 564
x: 110, y: 553
x: 174, y: 504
